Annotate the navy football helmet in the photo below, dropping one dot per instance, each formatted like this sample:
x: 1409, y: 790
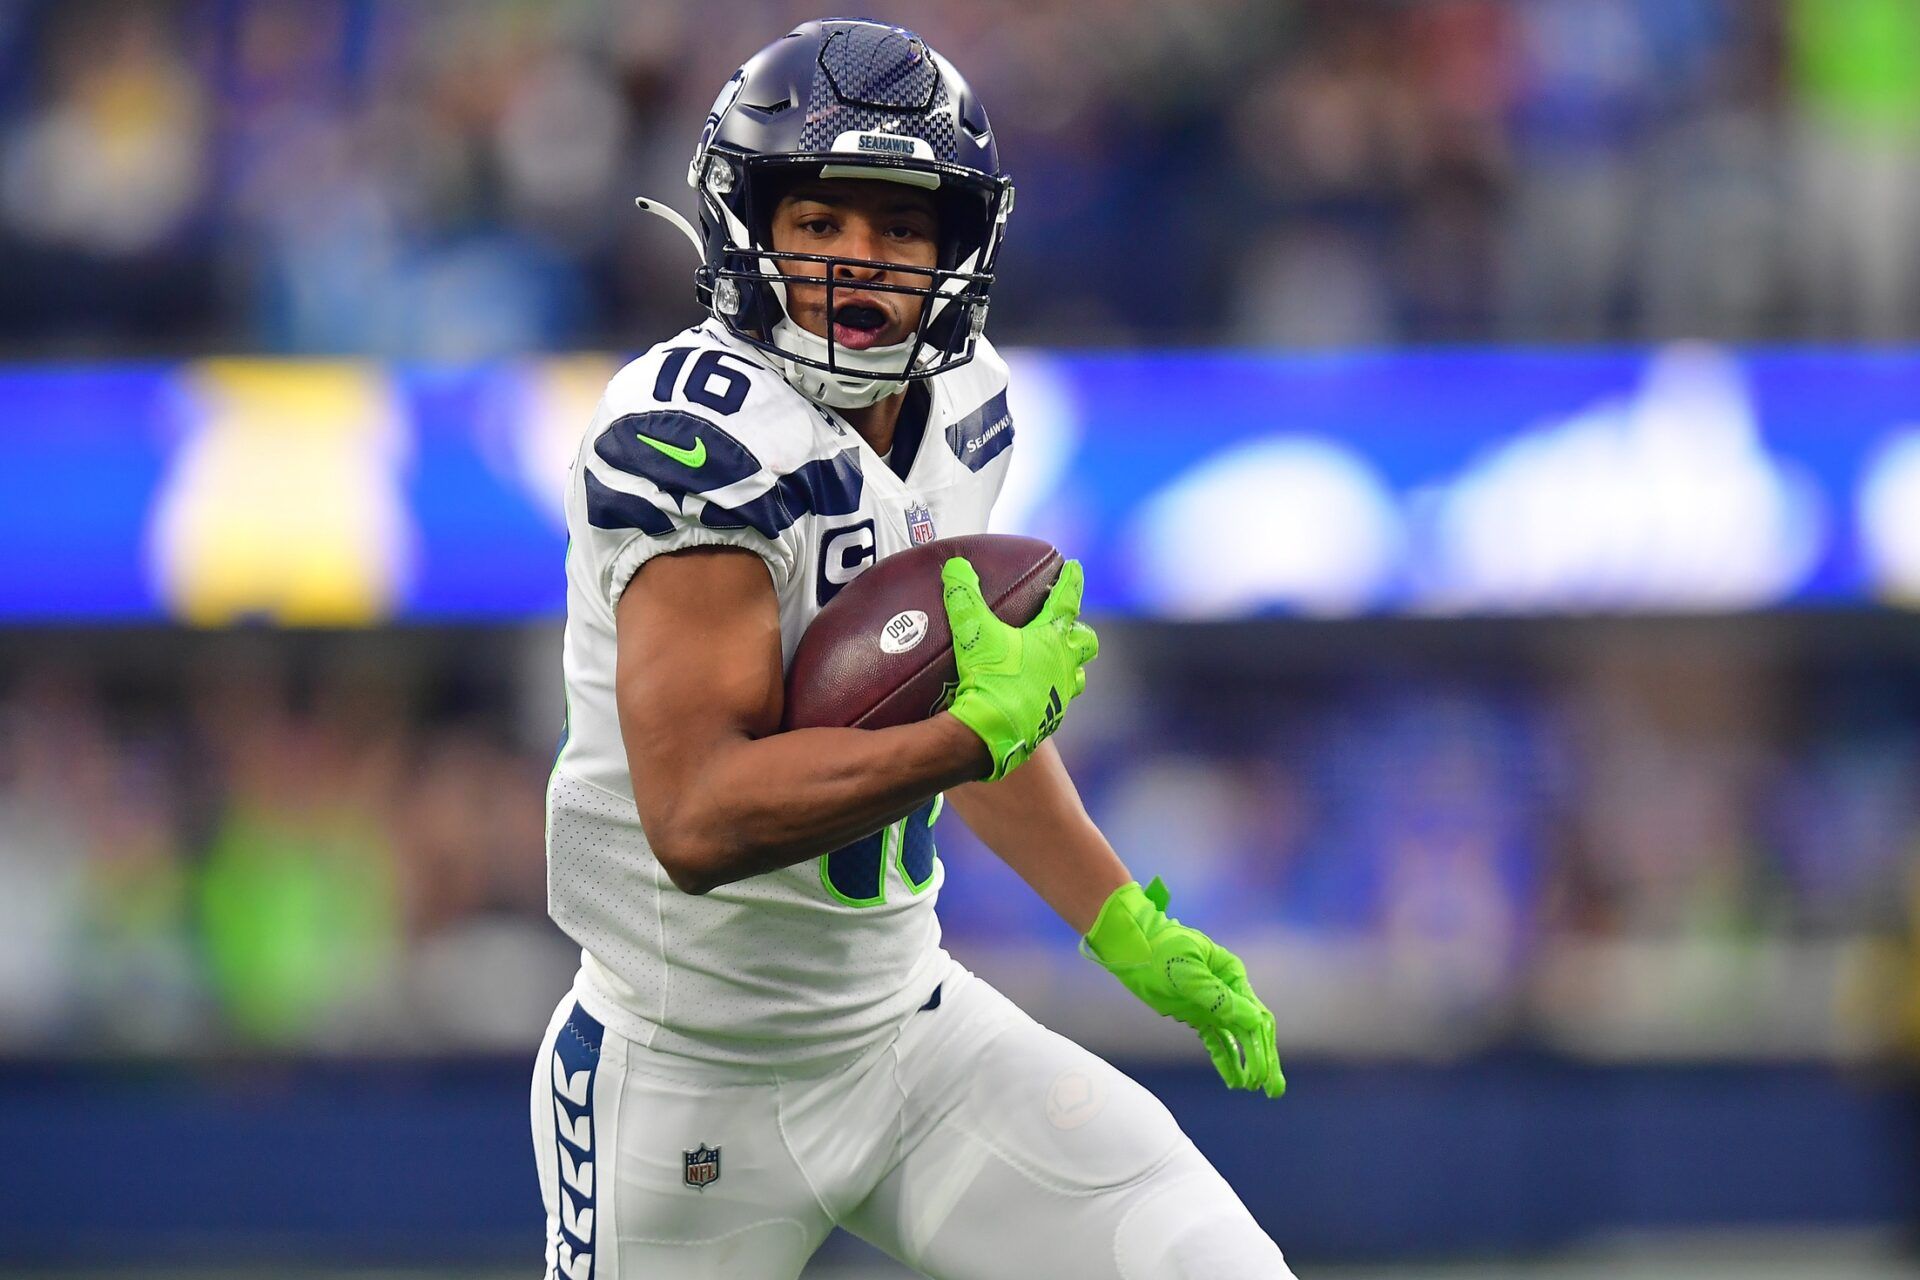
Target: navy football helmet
x: 844, y: 98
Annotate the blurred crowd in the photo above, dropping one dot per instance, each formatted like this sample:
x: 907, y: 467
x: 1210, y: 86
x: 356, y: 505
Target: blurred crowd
x: 454, y: 178
x: 1658, y: 843
x: 238, y: 857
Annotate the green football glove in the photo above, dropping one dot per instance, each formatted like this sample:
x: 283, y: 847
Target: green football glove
x: 1015, y: 682
x: 1184, y: 974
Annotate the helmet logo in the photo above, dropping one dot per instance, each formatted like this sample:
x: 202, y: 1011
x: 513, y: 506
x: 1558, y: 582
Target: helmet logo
x: 886, y: 145
x: 729, y: 94
x: 873, y: 143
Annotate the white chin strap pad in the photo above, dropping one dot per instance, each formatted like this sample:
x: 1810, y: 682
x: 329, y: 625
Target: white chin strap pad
x: 871, y: 376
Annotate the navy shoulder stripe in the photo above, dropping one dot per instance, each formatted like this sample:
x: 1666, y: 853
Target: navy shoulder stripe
x: 680, y: 452
x: 611, y: 509
x: 978, y: 438
x: 823, y: 487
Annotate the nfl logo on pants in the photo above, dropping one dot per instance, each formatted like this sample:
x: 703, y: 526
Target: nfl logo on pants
x: 703, y: 1166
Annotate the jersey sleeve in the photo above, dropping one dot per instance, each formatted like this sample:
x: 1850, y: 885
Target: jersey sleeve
x: 736, y: 461
x: 668, y: 480
x: 669, y: 476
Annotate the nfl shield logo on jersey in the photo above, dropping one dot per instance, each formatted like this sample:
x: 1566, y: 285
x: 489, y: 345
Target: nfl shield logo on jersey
x: 703, y: 1166
x: 919, y: 524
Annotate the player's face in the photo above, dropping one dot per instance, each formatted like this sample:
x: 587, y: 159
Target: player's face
x: 882, y: 222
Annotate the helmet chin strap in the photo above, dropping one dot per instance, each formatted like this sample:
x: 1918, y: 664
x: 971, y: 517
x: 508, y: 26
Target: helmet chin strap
x: 871, y: 376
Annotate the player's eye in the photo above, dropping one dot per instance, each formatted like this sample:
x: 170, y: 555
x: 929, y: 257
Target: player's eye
x: 817, y: 226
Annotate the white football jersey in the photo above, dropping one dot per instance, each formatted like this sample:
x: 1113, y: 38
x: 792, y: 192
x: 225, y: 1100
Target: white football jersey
x: 701, y: 443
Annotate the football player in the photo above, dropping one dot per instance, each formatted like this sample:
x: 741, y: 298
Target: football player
x: 766, y: 1038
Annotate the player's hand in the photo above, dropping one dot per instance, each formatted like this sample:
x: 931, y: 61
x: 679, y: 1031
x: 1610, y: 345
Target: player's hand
x: 1016, y: 682
x: 1184, y: 974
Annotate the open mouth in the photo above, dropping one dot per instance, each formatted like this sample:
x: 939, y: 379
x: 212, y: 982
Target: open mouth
x: 858, y: 325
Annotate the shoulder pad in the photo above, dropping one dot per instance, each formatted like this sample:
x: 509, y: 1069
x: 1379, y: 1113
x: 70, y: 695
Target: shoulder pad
x: 978, y: 392
x: 699, y: 374
x: 717, y: 435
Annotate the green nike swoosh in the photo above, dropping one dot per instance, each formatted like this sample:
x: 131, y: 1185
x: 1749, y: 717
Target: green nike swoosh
x: 695, y: 457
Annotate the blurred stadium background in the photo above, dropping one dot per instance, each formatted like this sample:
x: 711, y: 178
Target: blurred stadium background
x: 1492, y: 428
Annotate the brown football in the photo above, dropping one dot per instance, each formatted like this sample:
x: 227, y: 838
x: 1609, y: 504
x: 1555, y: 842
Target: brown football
x: 880, y: 653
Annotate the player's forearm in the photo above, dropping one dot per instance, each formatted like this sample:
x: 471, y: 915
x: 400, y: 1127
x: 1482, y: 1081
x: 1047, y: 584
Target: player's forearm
x: 1034, y: 822
x: 755, y: 805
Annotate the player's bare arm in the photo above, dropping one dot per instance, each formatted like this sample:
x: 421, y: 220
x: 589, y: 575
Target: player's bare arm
x: 1034, y: 822
x: 723, y: 794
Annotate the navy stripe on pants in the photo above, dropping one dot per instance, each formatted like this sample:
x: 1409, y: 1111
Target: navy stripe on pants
x: 576, y: 1061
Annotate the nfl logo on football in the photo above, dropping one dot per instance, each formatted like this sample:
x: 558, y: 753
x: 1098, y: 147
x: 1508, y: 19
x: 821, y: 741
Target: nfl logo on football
x: 919, y: 524
x: 703, y: 1167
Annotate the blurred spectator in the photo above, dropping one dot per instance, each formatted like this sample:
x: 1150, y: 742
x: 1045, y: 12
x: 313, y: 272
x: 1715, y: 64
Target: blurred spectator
x: 484, y: 967
x: 1667, y: 774
x: 51, y: 754
x: 1852, y: 64
x: 1329, y: 142
x: 111, y: 164
x: 1714, y: 249
x: 136, y: 964
x: 103, y: 172
x: 1586, y: 94
x: 297, y: 896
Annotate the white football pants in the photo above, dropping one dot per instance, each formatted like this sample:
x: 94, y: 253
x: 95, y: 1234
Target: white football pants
x: 974, y: 1145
